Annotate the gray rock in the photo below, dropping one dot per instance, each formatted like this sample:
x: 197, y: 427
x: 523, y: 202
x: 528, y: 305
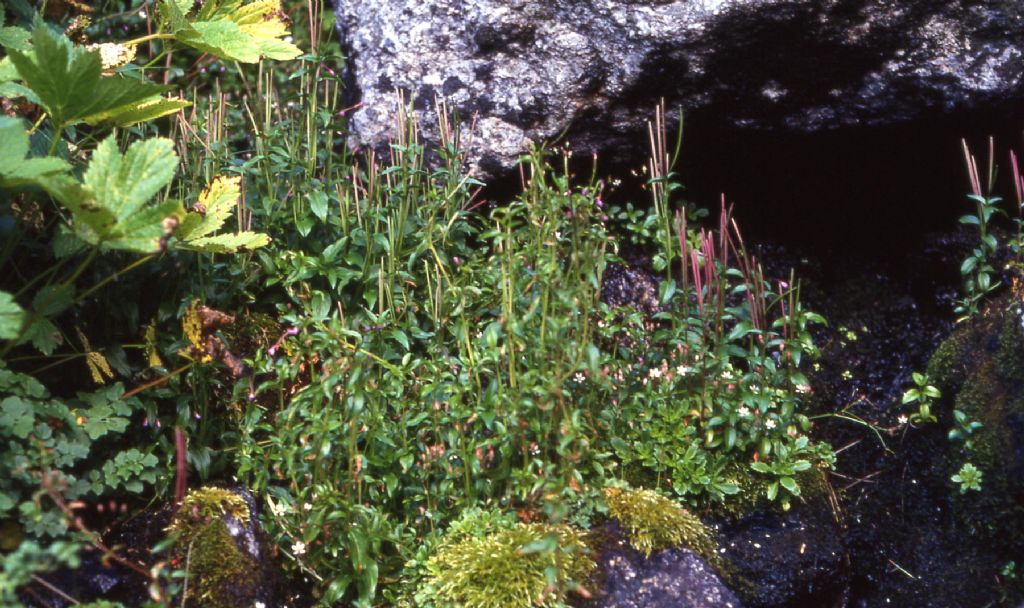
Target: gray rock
x: 671, y: 578
x: 520, y: 70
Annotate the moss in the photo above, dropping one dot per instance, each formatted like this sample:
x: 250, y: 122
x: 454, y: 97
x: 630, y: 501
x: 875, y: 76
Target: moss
x: 946, y: 365
x: 506, y: 568
x: 220, y: 576
x: 204, y: 504
x: 652, y: 522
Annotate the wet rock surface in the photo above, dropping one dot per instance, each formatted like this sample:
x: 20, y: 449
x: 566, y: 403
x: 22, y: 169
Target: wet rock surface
x: 671, y: 578
x: 796, y: 558
x: 520, y: 71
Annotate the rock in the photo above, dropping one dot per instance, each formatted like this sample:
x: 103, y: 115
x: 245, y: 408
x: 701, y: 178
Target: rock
x: 230, y: 561
x: 519, y: 71
x: 671, y: 578
x: 796, y: 558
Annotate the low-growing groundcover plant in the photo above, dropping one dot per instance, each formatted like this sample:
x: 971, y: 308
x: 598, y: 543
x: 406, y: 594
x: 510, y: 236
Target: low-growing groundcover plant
x: 366, y: 344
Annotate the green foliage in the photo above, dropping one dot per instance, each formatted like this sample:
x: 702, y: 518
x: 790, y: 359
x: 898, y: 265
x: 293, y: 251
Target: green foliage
x: 17, y: 170
x: 969, y: 478
x: 977, y: 268
x: 925, y: 395
x: 30, y: 558
x: 231, y: 29
x: 484, y: 564
x: 42, y: 435
x: 653, y: 522
x: 69, y: 83
x: 71, y: 192
x: 113, y: 211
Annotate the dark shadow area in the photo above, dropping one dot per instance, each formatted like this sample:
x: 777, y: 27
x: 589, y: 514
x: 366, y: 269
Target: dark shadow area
x: 872, y: 193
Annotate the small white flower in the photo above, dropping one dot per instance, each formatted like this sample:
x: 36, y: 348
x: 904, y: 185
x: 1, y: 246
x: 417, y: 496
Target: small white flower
x: 299, y: 548
x: 306, y: 506
x: 684, y: 370
x: 743, y: 411
x: 769, y: 423
x: 803, y: 388
x: 278, y: 509
x: 902, y: 419
x: 579, y: 377
x: 655, y: 372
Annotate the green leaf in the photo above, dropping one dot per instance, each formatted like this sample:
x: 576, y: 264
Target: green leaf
x: 69, y: 79
x: 110, y: 208
x: 52, y: 300
x: 235, y: 32
x: 318, y: 204
x: 227, y: 243
x: 15, y: 38
x: 760, y: 467
x: 17, y: 417
x: 11, y: 317
x: 15, y: 169
x: 44, y: 335
x: 791, y: 485
x: 100, y: 420
x: 138, y: 111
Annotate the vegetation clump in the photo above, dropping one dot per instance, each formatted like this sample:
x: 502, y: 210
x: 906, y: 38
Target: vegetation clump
x: 652, y: 522
x: 494, y: 562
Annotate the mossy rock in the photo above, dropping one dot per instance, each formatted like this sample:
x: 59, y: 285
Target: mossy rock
x: 219, y: 542
x: 221, y: 576
x: 653, y: 522
x: 980, y: 370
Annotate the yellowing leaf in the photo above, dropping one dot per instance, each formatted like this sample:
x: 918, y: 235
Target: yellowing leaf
x: 152, y: 356
x: 215, y: 205
x: 236, y: 32
x: 140, y: 111
x: 99, y: 369
x: 212, y: 209
x: 192, y: 325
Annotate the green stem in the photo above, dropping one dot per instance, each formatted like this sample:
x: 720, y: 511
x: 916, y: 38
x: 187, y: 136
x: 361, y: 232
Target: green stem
x: 140, y: 40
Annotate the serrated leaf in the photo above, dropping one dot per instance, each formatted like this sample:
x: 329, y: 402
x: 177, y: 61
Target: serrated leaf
x: 173, y: 13
x: 239, y: 33
x: 69, y: 79
x: 140, y: 111
x: 228, y: 243
x: 11, y: 317
x: 44, y: 335
x: 15, y: 169
x: 15, y: 38
x: 110, y: 208
x: 212, y: 209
